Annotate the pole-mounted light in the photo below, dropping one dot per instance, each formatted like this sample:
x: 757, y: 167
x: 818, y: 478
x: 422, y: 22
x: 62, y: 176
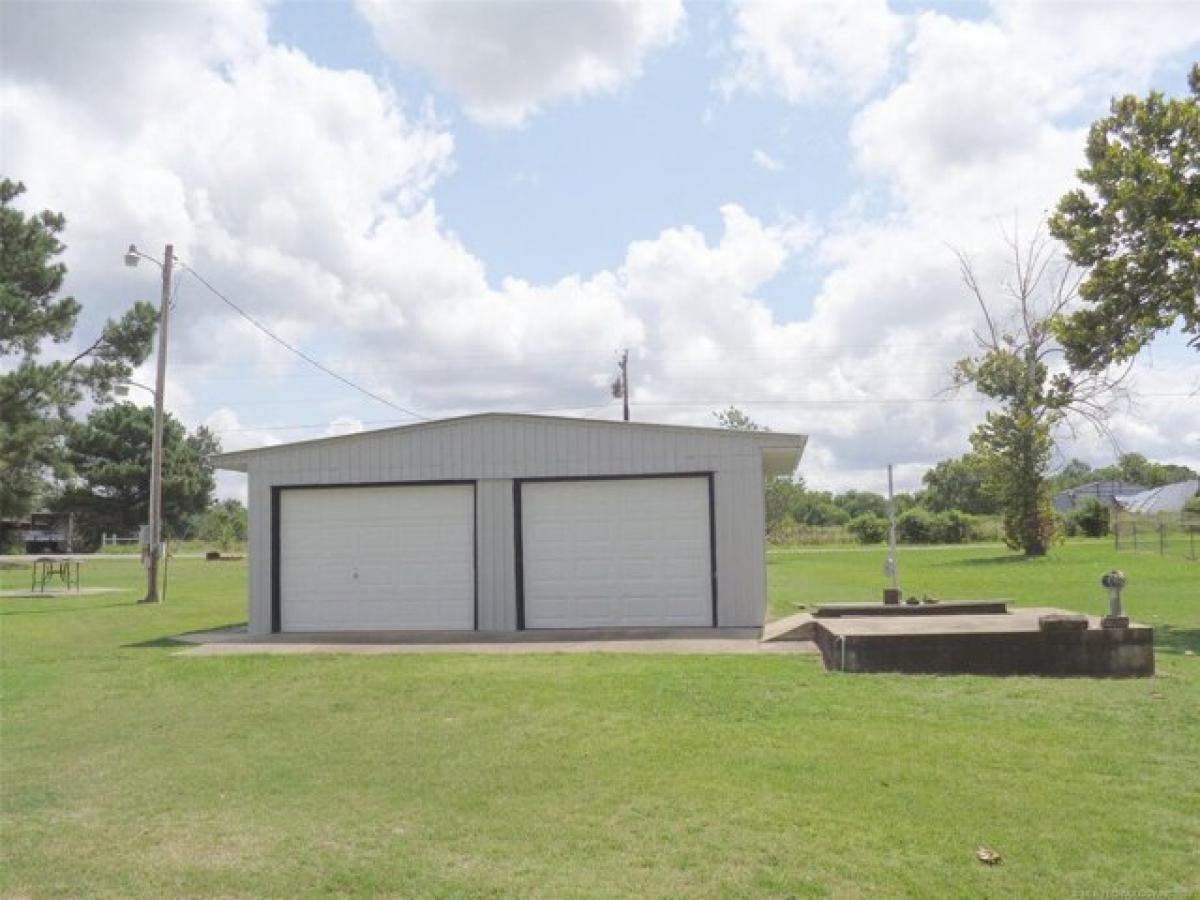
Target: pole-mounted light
x: 154, y: 527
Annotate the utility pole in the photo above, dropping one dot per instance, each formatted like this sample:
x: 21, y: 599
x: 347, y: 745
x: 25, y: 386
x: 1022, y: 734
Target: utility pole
x: 891, y: 568
x: 621, y: 386
x: 156, y: 447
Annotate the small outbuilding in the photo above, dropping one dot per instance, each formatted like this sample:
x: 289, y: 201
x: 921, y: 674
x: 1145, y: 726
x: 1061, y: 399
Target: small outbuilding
x: 503, y: 522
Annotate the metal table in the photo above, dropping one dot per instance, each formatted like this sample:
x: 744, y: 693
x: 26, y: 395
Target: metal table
x: 47, y: 567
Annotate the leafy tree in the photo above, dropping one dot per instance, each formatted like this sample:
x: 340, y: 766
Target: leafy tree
x: 224, y: 524
x: 958, y: 484
x: 1136, y: 228
x: 1073, y: 474
x: 110, y: 456
x: 736, y: 420
x: 1133, y: 467
x: 869, y: 528
x: 780, y: 493
x: 816, y: 508
x: 36, y: 398
x: 858, y: 503
x: 1013, y: 367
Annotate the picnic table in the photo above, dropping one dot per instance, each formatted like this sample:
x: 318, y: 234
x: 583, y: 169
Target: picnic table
x: 47, y: 567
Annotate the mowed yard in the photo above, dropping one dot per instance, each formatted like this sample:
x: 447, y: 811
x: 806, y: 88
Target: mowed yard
x: 128, y: 771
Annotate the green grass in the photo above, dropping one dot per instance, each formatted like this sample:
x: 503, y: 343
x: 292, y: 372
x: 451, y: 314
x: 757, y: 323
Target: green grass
x: 1162, y: 591
x: 177, y: 547
x: 127, y: 771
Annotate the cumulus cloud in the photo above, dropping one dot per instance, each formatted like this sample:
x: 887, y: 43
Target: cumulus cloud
x: 506, y: 59
x: 310, y: 195
x: 812, y: 51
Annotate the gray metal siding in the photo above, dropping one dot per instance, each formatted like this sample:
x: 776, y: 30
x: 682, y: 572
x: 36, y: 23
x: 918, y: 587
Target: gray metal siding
x: 496, y: 560
x: 259, y: 549
x: 494, y: 451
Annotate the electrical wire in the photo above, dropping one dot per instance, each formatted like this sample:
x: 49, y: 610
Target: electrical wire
x: 849, y: 401
x: 313, y: 425
x: 294, y: 349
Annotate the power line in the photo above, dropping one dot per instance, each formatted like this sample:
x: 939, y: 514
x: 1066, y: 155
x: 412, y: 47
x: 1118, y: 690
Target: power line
x: 296, y: 350
x: 469, y: 362
x: 847, y: 401
x: 312, y: 425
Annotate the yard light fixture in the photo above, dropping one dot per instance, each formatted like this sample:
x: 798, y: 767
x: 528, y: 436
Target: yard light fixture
x: 1114, y: 581
x: 154, y: 531
x: 122, y: 389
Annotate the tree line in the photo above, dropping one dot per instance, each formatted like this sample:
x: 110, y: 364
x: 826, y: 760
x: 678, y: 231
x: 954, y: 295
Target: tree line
x: 952, y: 504
x: 67, y: 444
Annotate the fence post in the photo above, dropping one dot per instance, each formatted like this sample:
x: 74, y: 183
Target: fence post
x: 1135, y: 535
x: 1162, y: 538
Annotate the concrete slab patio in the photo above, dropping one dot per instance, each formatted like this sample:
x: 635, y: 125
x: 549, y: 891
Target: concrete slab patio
x: 694, y: 641
x: 1012, y: 643
x: 52, y: 592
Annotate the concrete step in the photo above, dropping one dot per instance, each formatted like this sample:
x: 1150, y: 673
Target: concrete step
x: 796, y: 627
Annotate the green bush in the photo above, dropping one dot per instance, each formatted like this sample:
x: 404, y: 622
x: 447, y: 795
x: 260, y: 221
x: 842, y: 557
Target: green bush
x: 868, y: 528
x: 952, y: 527
x: 1066, y: 526
x: 1191, y: 515
x: 1092, y: 520
x: 915, y: 526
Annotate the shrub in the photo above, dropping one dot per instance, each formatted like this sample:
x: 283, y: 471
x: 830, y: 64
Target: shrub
x: 1191, y: 515
x: 1066, y: 526
x: 1092, y: 519
x: 952, y: 527
x: 782, y: 530
x: 915, y: 526
x: 868, y: 528
x: 813, y: 510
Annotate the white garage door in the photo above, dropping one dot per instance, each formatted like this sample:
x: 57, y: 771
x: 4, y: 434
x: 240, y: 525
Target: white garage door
x: 372, y: 558
x: 616, y: 553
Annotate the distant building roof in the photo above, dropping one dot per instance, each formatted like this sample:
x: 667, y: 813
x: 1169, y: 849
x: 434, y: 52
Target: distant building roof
x: 1168, y: 498
x: 1104, y: 491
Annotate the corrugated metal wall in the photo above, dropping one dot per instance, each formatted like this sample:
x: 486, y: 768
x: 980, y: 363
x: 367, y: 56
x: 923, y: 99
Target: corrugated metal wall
x: 494, y: 451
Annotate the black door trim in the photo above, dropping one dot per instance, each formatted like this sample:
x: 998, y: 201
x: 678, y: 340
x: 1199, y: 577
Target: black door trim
x: 278, y: 489
x: 519, y: 538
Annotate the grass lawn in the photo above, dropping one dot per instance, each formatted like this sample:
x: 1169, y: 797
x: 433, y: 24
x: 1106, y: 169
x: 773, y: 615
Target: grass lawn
x: 127, y: 771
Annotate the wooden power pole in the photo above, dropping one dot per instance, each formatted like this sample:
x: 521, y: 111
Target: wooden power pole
x: 620, y: 387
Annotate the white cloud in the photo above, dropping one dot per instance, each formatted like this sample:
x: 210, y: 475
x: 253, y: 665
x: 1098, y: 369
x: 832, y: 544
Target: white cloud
x: 816, y: 50
x: 765, y: 160
x: 309, y: 195
x: 506, y: 59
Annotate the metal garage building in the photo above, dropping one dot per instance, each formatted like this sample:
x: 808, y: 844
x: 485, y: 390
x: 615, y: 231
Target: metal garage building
x: 503, y: 522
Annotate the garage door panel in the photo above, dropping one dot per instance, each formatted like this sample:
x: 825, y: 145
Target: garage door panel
x: 616, y: 552
x: 377, y: 557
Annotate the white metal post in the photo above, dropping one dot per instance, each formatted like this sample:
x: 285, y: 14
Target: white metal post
x: 156, y: 446
x: 891, y: 567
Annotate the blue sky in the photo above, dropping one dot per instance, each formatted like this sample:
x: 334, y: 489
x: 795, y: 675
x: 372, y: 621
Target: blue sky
x: 568, y: 191
x: 475, y: 206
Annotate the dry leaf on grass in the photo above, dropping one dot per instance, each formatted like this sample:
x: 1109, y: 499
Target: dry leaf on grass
x: 987, y: 856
